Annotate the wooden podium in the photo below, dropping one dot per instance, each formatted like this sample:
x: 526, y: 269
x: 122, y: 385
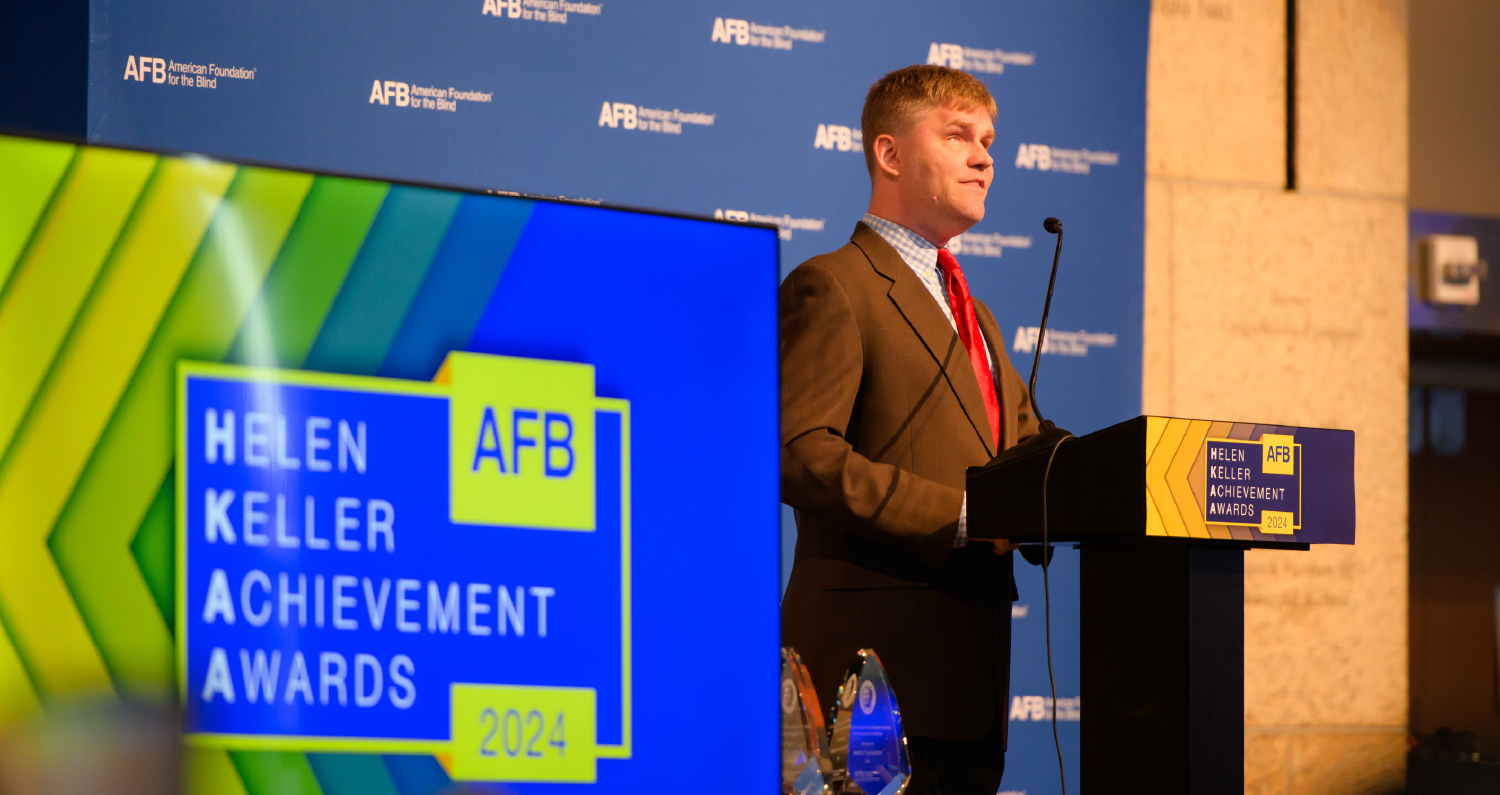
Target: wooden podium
x: 1162, y: 510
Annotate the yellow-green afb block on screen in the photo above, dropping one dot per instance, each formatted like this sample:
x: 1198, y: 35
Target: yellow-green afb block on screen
x: 521, y: 437
x: 512, y: 733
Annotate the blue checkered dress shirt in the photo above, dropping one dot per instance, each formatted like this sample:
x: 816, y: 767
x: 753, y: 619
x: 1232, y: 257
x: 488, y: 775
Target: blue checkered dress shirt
x: 921, y: 256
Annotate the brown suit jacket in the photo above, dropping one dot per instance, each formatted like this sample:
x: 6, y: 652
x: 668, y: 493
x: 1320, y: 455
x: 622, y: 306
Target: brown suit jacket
x: 881, y: 416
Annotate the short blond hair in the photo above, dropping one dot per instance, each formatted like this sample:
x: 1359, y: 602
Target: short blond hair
x: 903, y: 97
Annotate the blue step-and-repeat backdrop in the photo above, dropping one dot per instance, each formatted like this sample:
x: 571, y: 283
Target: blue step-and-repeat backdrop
x: 743, y: 110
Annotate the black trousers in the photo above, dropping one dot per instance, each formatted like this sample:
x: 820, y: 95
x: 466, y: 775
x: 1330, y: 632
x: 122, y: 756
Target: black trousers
x: 949, y: 767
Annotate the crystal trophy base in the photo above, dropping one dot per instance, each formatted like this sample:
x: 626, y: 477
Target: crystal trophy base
x: 805, y: 767
x: 868, y: 748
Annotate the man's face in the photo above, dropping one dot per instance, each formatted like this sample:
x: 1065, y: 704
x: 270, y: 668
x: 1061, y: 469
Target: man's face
x: 946, y: 169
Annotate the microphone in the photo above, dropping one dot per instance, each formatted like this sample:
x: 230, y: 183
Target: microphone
x: 1053, y: 226
x: 1048, y: 434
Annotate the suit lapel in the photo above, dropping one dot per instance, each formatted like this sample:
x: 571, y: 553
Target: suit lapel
x: 925, y: 317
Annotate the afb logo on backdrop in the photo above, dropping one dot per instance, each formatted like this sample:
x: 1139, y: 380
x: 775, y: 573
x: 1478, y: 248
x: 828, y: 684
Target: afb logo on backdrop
x: 784, y: 223
x: 413, y: 95
x: 625, y: 116
x: 554, y: 11
x: 973, y: 59
x: 745, y: 33
x: 1062, y: 343
x: 141, y: 68
x: 1041, y: 157
x: 983, y: 244
x: 1039, y: 708
x: 837, y: 137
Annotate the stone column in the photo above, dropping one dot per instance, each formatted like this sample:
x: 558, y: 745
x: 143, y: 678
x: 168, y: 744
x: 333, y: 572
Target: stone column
x: 1289, y: 307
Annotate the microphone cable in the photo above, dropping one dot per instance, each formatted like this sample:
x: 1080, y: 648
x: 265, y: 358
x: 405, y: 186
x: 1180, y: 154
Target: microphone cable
x: 1047, y: 612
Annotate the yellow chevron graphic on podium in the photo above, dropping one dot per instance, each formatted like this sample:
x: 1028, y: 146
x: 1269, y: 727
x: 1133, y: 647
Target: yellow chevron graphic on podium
x: 1177, y: 477
x: 1157, y: 462
x: 1172, y: 447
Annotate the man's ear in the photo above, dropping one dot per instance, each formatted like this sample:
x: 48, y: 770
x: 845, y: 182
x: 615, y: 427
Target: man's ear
x: 887, y: 158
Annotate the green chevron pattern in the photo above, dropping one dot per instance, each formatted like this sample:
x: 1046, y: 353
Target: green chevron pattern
x: 91, y: 541
x: 32, y: 169
x: 68, y: 415
x: 114, y: 266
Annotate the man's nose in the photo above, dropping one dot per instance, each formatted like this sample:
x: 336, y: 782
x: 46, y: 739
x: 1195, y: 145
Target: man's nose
x: 981, y: 160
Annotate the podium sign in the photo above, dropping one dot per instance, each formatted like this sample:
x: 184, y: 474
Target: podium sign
x: 1267, y: 485
x: 1252, y: 484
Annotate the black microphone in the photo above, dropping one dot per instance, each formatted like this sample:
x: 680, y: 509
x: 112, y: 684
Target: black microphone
x: 1055, y: 227
x: 1048, y: 435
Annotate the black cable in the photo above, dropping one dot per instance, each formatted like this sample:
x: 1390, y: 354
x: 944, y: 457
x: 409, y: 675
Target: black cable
x: 1055, y: 226
x: 1047, y: 599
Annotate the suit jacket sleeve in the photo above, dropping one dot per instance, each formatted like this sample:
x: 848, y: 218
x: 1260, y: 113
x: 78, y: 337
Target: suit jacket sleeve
x: 822, y: 362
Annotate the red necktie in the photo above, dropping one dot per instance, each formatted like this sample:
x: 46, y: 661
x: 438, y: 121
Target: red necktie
x: 968, y: 333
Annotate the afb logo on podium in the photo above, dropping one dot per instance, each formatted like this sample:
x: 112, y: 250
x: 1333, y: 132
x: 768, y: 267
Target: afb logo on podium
x: 389, y: 566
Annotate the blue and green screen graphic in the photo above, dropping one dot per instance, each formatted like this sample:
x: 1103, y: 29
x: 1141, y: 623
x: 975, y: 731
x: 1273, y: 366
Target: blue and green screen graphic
x: 447, y: 481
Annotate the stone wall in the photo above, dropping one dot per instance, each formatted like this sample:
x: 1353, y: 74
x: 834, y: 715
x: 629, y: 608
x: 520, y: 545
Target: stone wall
x: 1289, y: 307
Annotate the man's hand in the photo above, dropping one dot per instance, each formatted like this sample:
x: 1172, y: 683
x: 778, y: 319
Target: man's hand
x: 1000, y: 545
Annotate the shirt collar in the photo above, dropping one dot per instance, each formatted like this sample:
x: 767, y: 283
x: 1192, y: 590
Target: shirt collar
x: 918, y: 252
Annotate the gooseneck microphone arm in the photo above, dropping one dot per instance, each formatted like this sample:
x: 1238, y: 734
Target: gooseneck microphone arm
x: 1055, y: 227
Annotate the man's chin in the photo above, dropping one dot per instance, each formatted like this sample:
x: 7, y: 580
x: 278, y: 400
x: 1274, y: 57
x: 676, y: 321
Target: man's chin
x: 970, y: 216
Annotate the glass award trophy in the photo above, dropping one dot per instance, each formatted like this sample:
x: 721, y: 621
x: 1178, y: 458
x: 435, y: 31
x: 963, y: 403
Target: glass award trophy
x: 868, y: 749
x: 805, y: 768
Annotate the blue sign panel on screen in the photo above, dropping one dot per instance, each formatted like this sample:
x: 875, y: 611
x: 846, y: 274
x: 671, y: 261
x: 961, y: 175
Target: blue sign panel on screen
x: 330, y: 600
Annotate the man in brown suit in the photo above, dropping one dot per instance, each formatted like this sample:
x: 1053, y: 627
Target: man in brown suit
x: 884, y: 364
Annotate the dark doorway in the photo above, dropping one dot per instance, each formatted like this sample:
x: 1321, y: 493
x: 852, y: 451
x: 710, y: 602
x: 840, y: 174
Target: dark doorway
x: 1455, y: 537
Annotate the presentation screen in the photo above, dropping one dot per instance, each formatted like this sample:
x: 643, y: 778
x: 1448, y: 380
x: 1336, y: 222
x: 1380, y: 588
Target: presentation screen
x: 388, y: 483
